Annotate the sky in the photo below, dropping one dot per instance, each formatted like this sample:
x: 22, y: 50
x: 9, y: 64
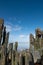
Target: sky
x: 21, y: 17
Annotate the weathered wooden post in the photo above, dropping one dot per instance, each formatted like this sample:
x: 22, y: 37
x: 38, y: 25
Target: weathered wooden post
x: 1, y: 29
x: 11, y: 53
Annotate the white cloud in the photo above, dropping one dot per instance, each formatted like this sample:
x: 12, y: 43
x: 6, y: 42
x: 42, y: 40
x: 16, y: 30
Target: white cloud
x: 22, y: 36
x: 17, y: 28
x: 8, y: 28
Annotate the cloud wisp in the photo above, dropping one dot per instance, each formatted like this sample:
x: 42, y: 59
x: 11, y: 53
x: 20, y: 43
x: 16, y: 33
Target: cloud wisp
x: 10, y: 28
x: 24, y: 38
x: 17, y: 28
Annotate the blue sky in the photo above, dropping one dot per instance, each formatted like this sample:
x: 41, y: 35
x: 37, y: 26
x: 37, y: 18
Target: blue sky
x: 21, y: 18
